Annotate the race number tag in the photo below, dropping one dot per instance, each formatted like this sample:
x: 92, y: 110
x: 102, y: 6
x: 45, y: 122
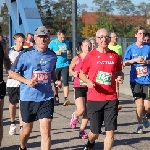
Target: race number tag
x: 104, y: 78
x: 141, y: 71
x: 63, y: 49
x: 40, y: 76
x: 82, y: 82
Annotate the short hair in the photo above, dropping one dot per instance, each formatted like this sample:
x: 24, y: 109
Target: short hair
x: 100, y: 30
x: 17, y: 35
x: 30, y: 34
x: 62, y: 31
x: 138, y: 28
x: 92, y: 39
x: 147, y: 34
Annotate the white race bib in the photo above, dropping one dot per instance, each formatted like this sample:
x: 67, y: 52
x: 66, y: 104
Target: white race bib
x: 141, y: 71
x: 40, y: 76
x: 63, y: 49
x: 104, y: 78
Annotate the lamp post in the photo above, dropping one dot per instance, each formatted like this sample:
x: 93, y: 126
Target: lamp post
x: 74, y: 27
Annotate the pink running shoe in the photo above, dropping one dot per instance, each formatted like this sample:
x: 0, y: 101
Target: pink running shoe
x: 73, y: 121
x: 83, y: 134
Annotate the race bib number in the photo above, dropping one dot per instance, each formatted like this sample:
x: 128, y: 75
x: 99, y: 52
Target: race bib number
x: 82, y: 82
x: 63, y: 49
x: 40, y: 76
x: 141, y: 71
x: 104, y: 78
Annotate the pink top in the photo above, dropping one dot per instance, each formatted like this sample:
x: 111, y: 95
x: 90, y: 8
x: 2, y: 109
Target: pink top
x: 77, y: 81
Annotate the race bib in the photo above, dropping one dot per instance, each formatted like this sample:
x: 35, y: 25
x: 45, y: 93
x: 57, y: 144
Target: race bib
x: 63, y: 49
x: 40, y: 76
x: 104, y: 78
x: 141, y: 71
x: 82, y: 82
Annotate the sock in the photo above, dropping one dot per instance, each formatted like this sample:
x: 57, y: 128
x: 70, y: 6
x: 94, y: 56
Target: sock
x: 21, y: 127
x: 56, y: 95
x: 90, y: 144
x: 13, y: 122
x: 139, y: 125
x: 65, y: 98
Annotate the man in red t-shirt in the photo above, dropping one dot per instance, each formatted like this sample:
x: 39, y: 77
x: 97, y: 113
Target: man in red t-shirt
x: 101, y: 65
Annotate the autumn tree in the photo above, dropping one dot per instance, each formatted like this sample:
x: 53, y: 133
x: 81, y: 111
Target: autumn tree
x: 89, y: 30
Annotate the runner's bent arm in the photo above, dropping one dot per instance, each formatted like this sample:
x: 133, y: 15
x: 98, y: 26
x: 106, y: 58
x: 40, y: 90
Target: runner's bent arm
x: 72, y: 65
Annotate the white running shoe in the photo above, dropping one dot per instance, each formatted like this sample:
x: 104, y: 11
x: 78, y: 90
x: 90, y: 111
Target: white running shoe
x: 12, y: 130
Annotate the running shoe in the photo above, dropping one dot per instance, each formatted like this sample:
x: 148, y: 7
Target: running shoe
x: 89, y: 146
x: 139, y: 130
x: 66, y: 102
x: 73, y: 121
x: 12, y: 130
x: 145, y: 122
x: 83, y: 134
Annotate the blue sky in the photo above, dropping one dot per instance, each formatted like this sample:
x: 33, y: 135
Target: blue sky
x: 89, y: 3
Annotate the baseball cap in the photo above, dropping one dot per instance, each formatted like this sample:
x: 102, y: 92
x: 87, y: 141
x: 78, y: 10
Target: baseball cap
x: 42, y: 31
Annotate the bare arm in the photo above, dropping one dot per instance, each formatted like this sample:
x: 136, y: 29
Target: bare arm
x: 72, y: 65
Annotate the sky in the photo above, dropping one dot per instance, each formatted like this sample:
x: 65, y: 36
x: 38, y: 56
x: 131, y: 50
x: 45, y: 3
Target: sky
x: 89, y: 3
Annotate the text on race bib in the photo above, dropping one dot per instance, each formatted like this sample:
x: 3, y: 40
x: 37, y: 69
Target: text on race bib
x: 141, y: 71
x: 82, y: 82
x: 104, y: 78
x: 63, y: 48
x: 40, y: 76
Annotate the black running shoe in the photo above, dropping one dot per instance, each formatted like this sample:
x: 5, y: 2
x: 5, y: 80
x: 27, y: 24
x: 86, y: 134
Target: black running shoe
x: 89, y: 146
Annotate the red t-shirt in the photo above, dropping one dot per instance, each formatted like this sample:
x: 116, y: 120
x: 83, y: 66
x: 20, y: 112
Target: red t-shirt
x: 27, y: 44
x: 101, y: 68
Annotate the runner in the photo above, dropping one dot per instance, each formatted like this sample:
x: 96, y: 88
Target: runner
x: 3, y: 56
x: 101, y: 65
x: 147, y: 38
x: 93, y: 41
x: 13, y: 85
x: 34, y: 69
x: 113, y: 45
x: 80, y: 90
x: 28, y: 40
x: 138, y: 56
x: 61, y: 47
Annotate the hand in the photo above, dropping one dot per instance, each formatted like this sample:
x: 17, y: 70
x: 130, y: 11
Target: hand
x: 58, y: 84
x: 90, y: 84
x: 139, y: 60
x: 59, y: 52
x: 31, y: 82
x: 75, y: 73
x: 120, y: 79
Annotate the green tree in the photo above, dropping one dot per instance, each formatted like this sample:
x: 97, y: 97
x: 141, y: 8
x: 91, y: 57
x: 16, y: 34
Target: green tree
x: 5, y: 20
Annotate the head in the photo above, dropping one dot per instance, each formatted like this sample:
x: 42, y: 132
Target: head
x: 1, y: 37
x: 147, y: 38
x: 19, y: 39
x: 29, y: 36
x: 42, y: 38
x: 93, y: 42
x: 102, y: 38
x: 86, y: 46
x: 139, y: 34
x: 113, y: 37
x: 61, y: 35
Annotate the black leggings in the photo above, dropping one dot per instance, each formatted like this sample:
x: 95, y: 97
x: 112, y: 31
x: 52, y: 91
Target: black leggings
x: 64, y: 72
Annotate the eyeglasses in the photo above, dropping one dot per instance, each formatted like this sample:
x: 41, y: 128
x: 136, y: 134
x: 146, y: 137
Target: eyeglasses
x: 106, y: 37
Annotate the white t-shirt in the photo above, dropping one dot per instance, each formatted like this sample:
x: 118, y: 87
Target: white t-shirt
x: 12, y: 56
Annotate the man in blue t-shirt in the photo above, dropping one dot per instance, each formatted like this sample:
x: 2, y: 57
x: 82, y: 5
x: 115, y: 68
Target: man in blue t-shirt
x: 61, y: 47
x: 138, y: 56
x: 34, y: 68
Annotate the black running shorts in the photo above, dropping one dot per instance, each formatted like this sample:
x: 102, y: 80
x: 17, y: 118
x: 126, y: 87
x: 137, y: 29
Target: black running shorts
x: 80, y: 92
x: 99, y: 111
x: 32, y: 111
x: 14, y: 94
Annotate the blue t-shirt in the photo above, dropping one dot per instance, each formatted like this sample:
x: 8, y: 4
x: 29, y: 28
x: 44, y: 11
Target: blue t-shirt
x: 56, y: 45
x: 33, y: 64
x: 138, y: 73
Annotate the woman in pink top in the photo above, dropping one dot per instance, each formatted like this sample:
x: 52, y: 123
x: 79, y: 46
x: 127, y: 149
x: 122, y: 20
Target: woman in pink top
x: 80, y: 89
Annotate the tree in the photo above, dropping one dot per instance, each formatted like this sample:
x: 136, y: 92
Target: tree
x: 89, y: 30
x: 104, y: 22
x: 106, y: 6
x: 5, y: 20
